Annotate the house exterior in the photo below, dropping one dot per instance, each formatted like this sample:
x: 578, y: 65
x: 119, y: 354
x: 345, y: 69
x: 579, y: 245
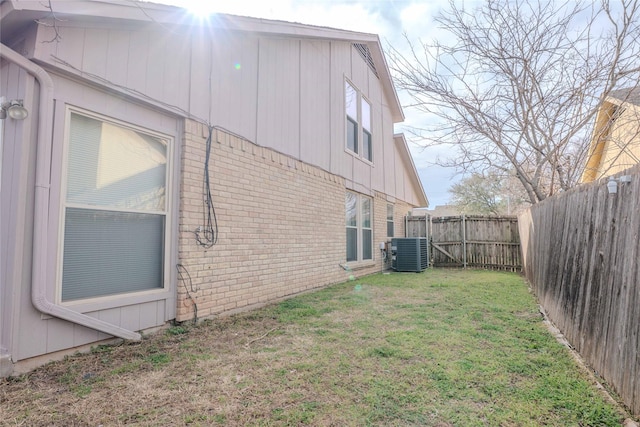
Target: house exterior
x: 438, y: 211
x: 173, y: 169
x: 615, y: 145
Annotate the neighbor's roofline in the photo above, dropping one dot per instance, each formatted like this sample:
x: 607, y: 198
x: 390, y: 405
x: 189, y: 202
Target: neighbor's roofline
x: 629, y: 95
x: 129, y: 10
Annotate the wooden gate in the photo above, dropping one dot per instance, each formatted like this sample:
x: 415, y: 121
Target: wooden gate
x: 476, y: 241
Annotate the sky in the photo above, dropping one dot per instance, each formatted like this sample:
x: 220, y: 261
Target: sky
x: 390, y: 19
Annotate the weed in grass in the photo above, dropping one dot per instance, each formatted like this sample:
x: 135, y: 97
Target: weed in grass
x: 383, y: 352
x: 219, y: 419
x: 294, y: 310
x: 302, y: 414
x: 82, y: 390
x: 102, y: 349
x: 126, y: 368
x: 195, y: 418
x: 177, y: 330
x: 198, y: 356
x: 159, y: 359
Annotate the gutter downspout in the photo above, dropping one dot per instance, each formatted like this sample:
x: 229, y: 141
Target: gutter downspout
x: 41, y: 208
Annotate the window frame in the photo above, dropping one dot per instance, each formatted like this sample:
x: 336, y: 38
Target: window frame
x: 362, y: 146
x: 360, y: 227
x: 367, y: 133
x: 390, y: 220
x: 134, y: 297
x: 349, y: 118
x: 353, y: 135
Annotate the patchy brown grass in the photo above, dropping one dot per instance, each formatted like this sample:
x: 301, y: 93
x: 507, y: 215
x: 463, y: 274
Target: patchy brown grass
x: 440, y: 348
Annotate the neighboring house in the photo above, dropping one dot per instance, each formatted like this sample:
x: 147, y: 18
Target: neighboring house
x: 439, y: 210
x: 152, y: 135
x: 615, y: 145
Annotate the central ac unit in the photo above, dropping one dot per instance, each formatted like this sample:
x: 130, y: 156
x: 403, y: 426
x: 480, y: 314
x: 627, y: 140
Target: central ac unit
x: 409, y: 253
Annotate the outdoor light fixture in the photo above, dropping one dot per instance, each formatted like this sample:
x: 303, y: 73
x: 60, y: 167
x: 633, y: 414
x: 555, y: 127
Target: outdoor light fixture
x: 612, y: 184
x: 14, y: 109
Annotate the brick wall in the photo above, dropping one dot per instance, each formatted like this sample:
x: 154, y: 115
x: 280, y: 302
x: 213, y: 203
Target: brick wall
x: 281, y: 226
x: 401, y: 210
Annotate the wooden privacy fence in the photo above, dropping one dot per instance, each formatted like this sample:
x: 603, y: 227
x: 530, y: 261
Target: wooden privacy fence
x: 476, y: 241
x: 417, y: 226
x: 470, y: 241
x: 581, y: 250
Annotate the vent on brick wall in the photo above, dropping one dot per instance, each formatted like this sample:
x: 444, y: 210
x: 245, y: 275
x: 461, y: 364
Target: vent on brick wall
x: 364, y: 51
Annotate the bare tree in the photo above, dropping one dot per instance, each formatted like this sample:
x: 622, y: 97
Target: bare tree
x: 518, y: 84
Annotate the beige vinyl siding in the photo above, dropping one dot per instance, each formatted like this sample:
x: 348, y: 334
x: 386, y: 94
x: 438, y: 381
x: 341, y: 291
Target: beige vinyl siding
x: 358, y: 72
x: 362, y: 172
x: 94, y: 61
x: 287, y: 93
x: 16, y: 208
x: 41, y: 335
x: 235, y: 85
x: 341, y: 162
x: 116, y: 39
x: 380, y: 116
x: 400, y: 177
x: 315, y: 103
x: 391, y: 162
x: 279, y: 95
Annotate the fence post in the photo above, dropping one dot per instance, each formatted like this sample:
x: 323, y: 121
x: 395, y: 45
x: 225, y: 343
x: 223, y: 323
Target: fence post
x: 406, y: 225
x: 464, y: 242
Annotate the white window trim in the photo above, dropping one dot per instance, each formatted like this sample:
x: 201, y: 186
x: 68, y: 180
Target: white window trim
x: 363, y: 130
x: 360, y: 129
x: 359, y: 228
x: 392, y: 220
x: 136, y: 297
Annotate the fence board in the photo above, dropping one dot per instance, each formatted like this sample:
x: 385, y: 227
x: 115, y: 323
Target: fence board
x: 417, y: 226
x: 476, y: 241
x: 581, y: 250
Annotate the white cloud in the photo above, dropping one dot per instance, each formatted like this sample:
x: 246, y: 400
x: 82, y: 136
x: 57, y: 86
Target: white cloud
x: 417, y: 18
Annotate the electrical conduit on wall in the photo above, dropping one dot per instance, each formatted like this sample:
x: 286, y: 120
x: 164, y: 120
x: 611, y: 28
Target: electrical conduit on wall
x: 41, y: 208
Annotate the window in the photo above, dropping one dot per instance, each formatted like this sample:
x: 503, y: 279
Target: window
x: 367, y: 231
x: 358, y: 112
x: 359, y: 222
x: 366, y: 131
x: 351, y: 107
x: 390, y: 225
x: 115, y: 209
x: 351, y: 207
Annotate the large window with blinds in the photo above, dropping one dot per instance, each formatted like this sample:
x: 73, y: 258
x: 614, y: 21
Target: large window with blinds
x: 115, y: 208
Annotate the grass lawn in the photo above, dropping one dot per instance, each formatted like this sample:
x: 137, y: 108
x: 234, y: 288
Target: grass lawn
x: 439, y: 348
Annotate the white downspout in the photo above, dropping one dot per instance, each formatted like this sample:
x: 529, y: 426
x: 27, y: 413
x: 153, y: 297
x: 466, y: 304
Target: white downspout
x: 41, y: 208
